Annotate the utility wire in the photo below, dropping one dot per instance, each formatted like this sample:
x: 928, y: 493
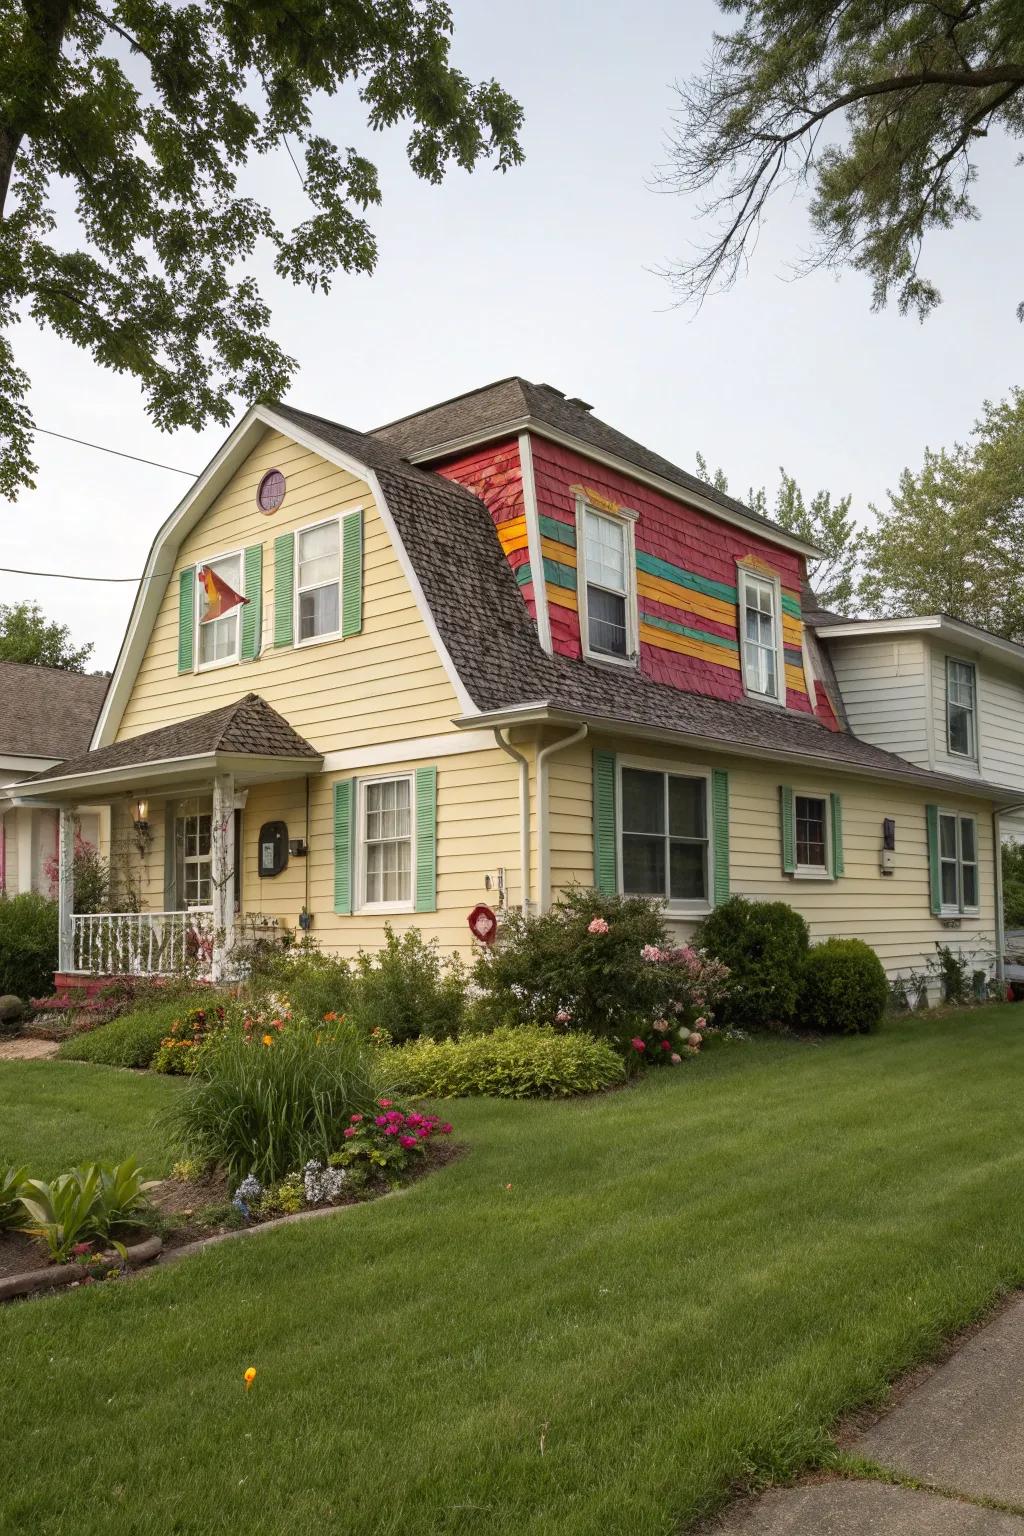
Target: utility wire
x: 13, y: 570
x: 82, y: 443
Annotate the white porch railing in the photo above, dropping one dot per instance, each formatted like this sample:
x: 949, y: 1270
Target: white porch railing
x: 142, y: 943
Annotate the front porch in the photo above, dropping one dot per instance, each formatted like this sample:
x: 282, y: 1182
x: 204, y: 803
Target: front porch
x: 179, y: 796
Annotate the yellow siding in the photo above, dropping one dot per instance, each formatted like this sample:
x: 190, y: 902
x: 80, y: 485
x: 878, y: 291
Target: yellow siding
x: 385, y: 684
x: 890, y: 912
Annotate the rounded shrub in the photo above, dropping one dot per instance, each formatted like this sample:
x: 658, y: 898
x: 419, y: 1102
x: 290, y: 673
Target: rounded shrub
x: 843, y: 990
x: 28, y: 945
x: 764, y: 944
x: 523, y: 1062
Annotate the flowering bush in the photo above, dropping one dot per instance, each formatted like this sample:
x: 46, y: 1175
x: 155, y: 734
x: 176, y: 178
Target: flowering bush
x: 600, y: 964
x: 180, y: 1046
x: 387, y: 1143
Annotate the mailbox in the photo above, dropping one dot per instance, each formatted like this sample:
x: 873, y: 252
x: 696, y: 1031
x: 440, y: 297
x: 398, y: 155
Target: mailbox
x: 273, y: 849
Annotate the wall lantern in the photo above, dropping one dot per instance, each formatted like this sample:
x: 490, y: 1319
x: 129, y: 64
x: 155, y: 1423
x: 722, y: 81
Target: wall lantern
x: 140, y: 815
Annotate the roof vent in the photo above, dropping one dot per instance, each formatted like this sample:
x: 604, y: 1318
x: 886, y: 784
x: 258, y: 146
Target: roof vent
x: 584, y: 405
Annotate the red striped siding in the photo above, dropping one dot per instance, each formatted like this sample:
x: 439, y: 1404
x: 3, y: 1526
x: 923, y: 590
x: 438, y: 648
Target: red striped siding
x: 495, y: 475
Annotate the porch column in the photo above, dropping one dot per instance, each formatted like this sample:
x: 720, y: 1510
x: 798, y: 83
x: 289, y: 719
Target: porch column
x: 66, y: 889
x: 222, y: 872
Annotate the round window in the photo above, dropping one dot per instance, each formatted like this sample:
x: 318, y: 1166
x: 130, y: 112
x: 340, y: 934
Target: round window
x: 271, y: 492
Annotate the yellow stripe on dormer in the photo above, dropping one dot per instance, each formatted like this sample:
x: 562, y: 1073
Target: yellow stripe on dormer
x: 512, y: 534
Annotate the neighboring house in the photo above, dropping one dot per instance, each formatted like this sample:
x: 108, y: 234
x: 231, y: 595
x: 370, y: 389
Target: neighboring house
x: 46, y: 715
x: 487, y: 651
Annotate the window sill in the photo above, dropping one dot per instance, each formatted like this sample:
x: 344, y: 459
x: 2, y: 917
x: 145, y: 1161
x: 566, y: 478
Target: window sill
x: 946, y: 914
x: 812, y: 874
x: 317, y: 639
x: 383, y: 908
x: 611, y: 661
x: 764, y: 698
x: 215, y: 666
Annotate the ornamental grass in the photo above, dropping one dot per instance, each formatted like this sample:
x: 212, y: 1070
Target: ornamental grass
x: 266, y: 1104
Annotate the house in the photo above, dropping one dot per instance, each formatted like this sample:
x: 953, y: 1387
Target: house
x: 46, y: 715
x: 481, y: 653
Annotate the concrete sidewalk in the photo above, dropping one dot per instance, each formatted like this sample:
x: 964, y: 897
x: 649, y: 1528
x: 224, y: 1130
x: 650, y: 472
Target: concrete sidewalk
x: 960, y: 1433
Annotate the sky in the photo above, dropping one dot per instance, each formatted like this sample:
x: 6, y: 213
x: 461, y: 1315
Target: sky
x: 551, y: 271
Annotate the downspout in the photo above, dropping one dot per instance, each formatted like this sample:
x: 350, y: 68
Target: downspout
x: 997, y: 860
x: 524, y: 817
x: 544, y: 852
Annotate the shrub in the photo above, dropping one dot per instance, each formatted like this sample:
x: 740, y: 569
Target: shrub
x: 764, y: 944
x: 843, y: 989
x: 408, y: 989
x: 313, y: 983
x: 12, y: 1182
x: 28, y: 944
x: 522, y: 1062
x: 180, y: 1047
x: 133, y: 1039
x: 385, y: 1144
x: 268, y: 1104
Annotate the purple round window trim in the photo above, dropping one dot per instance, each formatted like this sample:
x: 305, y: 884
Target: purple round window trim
x: 271, y: 491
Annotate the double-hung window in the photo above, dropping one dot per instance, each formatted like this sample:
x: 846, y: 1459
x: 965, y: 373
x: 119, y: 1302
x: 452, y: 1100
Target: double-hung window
x: 608, y: 581
x: 958, y: 862
x: 318, y: 580
x: 219, y: 637
x: 665, y: 843
x: 387, y: 835
x: 761, y: 635
x: 961, y: 708
x: 194, y: 847
x: 811, y: 823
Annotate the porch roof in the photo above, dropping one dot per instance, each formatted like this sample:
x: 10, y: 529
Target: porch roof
x: 248, y: 738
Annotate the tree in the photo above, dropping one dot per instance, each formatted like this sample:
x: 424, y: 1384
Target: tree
x: 26, y: 635
x: 1013, y: 883
x: 952, y: 537
x: 917, y: 83
x: 150, y: 113
x: 820, y: 521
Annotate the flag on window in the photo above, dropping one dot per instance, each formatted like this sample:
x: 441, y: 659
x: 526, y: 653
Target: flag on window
x: 220, y: 598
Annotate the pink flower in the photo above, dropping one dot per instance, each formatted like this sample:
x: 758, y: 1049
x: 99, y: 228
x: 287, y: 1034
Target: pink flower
x: 701, y: 1024
x: 385, y: 1103
x: 638, y: 1044
x: 695, y: 1041
x: 563, y: 1016
x: 350, y: 1131
x: 446, y: 1129
x: 597, y: 925
x: 391, y: 1130
x: 81, y: 1248
x: 354, y: 1119
x: 661, y: 1025
x: 666, y: 1045
x: 650, y: 952
x: 675, y: 1059
x: 381, y: 1120
x: 408, y: 1141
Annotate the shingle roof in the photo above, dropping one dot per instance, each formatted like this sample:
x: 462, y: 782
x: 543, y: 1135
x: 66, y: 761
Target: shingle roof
x: 489, y: 408
x: 45, y: 711
x: 248, y: 727
x: 482, y: 620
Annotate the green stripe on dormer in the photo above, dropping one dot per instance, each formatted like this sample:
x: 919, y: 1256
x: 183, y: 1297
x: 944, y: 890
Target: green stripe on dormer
x: 563, y: 533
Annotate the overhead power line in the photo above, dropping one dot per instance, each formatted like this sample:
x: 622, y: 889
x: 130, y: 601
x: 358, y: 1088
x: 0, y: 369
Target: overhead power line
x: 101, y: 448
x: 13, y: 570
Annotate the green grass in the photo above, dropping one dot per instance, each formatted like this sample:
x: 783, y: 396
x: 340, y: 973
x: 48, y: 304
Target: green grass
x: 54, y: 1115
x: 685, y: 1285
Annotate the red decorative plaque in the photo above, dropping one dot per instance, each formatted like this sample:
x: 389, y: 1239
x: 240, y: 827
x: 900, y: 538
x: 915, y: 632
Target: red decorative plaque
x: 483, y: 924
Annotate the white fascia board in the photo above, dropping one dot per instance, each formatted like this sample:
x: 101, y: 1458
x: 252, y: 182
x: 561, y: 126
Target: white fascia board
x: 363, y: 472
x: 541, y: 713
x: 952, y: 630
x: 131, y: 776
x: 13, y: 762
x: 412, y: 749
x: 625, y: 467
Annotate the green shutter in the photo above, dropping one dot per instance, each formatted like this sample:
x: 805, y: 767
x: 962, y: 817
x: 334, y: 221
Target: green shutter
x: 186, y: 618
x: 352, y: 574
x: 284, y: 589
x: 426, y: 839
x: 344, y: 811
x: 838, y: 865
x: 720, y: 833
x: 605, y: 873
x: 934, y: 868
x: 787, y: 824
x: 252, y: 613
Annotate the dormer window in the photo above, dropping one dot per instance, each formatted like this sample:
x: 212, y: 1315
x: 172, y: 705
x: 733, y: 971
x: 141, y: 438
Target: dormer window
x: 961, y: 692
x: 760, y: 604
x: 607, y: 584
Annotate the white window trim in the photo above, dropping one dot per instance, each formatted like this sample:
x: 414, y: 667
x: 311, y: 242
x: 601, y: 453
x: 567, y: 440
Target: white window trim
x: 745, y: 573
x: 627, y: 518
x: 383, y: 907
x: 814, y: 871
x: 224, y: 661
x: 961, y: 910
x: 975, y: 755
x: 677, y: 908
x: 335, y: 634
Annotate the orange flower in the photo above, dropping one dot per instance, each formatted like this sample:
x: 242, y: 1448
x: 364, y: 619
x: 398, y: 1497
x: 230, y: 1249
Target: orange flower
x: 249, y: 1377
x: 330, y: 1018
x: 268, y: 1039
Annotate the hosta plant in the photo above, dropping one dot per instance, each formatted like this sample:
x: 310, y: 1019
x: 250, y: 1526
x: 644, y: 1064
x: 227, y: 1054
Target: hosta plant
x: 85, y: 1205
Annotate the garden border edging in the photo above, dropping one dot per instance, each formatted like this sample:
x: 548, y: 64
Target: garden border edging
x: 59, y: 1277
x: 172, y: 1255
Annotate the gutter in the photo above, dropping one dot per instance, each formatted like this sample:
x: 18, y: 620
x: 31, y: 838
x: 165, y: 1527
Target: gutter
x: 524, y: 818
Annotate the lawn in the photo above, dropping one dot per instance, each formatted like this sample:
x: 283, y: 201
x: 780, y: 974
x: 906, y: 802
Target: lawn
x: 599, y: 1320
x: 54, y: 1115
